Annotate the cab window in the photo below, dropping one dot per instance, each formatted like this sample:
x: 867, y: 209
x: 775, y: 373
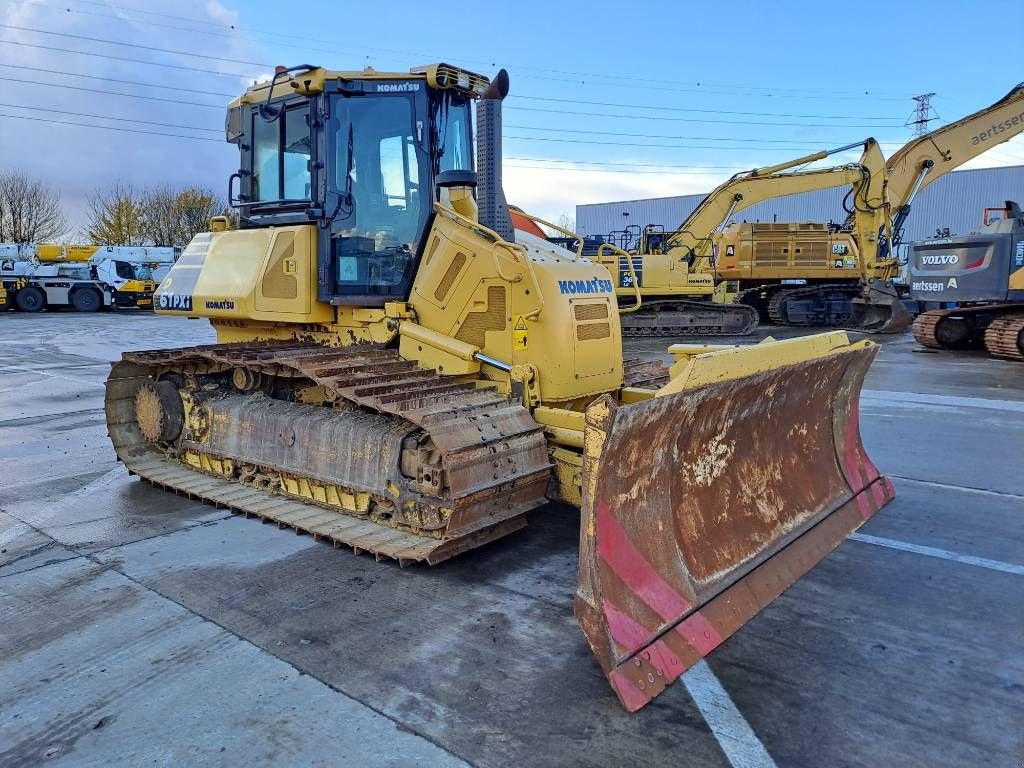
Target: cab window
x: 281, y: 151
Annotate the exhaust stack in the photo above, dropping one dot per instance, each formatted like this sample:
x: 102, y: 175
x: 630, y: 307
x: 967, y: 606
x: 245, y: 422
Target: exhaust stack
x: 490, y: 195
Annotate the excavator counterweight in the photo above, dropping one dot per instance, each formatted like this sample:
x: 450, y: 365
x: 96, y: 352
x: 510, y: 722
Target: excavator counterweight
x: 399, y: 370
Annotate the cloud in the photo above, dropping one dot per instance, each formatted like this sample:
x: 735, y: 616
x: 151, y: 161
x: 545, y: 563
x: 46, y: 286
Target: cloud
x: 548, y: 192
x: 76, y: 159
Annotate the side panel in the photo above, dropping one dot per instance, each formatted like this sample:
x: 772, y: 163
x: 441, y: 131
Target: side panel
x: 255, y: 274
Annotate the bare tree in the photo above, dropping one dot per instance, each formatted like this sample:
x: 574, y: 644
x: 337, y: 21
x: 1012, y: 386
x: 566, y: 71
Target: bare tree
x: 565, y: 221
x: 160, y: 220
x: 174, y: 217
x: 116, y: 217
x: 29, y: 211
x: 196, y: 207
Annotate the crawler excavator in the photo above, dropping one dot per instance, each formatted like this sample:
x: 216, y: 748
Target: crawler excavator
x: 982, y: 273
x: 847, y: 272
x: 666, y: 285
x: 397, y: 372
x: 698, y: 238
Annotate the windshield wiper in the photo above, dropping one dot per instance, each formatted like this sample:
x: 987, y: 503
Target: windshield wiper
x: 346, y: 201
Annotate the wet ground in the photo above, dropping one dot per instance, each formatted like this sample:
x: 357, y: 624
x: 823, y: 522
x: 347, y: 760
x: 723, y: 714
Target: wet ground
x: 137, y: 627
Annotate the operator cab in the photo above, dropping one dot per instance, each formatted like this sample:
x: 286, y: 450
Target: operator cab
x: 359, y: 156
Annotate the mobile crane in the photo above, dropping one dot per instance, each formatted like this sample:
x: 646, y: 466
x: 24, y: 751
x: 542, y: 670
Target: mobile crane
x: 396, y: 370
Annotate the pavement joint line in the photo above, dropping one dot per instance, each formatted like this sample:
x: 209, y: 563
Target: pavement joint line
x: 25, y: 369
x: 916, y: 399
x: 952, y: 487
x: 944, y: 554
x: 731, y: 730
x: 6, y: 537
x: 116, y: 568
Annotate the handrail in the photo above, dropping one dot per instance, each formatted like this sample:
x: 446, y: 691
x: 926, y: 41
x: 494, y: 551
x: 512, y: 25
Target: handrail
x: 517, y: 252
x: 632, y: 274
x: 567, y: 232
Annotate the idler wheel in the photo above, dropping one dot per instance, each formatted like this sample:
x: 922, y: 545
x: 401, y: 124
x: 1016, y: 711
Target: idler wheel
x: 159, y: 412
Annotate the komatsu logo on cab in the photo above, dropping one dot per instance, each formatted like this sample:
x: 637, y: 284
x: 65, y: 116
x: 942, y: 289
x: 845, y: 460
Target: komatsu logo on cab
x: 595, y: 285
x: 397, y: 87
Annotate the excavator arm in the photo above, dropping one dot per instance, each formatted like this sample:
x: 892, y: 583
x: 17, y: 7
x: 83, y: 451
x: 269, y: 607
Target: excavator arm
x: 694, y: 238
x: 926, y: 159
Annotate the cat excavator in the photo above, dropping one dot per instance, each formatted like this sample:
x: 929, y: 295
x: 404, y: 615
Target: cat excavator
x: 399, y: 372
x: 815, y: 275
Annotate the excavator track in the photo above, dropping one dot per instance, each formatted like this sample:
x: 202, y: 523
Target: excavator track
x: 353, y: 445
x: 680, y: 317
x: 758, y: 297
x: 1004, y: 337
x: 968, y: 328
x: 777, y: 305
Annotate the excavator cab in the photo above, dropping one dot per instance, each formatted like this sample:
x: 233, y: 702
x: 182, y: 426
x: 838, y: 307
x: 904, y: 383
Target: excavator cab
x: 400, y: 371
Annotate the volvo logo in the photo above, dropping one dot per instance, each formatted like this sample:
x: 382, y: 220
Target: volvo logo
x: 943, y: 258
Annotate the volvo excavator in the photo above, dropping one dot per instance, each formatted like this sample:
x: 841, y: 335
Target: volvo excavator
x: 847, y: 272
x: 399, y: 372
x: 982, y: 275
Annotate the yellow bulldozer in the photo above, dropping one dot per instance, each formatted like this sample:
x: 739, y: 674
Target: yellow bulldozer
x: 398, y: 372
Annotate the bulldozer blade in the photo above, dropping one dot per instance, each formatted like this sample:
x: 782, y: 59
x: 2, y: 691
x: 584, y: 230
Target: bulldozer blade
x: 701, y: 506
x: 879, y: 309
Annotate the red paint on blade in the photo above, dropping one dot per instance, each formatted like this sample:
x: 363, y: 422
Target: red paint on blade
x: 632, y: 568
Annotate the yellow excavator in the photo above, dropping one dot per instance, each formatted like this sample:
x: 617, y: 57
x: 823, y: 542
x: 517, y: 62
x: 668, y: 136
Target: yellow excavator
x: 398, y: 372
x: 700, y: 236
x: 812, y: 274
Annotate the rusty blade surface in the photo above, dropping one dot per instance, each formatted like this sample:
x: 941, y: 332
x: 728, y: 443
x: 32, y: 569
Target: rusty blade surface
x: 701, y: 507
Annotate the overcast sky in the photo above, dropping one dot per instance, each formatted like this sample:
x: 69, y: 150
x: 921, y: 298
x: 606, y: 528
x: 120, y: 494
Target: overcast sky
x: 609, y: 101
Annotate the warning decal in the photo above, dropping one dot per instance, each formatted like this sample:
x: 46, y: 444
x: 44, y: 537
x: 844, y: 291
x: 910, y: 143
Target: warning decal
x: 519, y: 331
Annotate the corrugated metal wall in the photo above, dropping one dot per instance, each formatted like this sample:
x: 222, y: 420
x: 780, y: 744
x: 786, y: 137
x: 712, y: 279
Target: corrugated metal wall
x: 955, y: 201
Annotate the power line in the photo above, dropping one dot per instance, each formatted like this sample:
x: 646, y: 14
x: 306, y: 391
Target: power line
x: 831, y: 126
x: 108, y: 127
x: 655, y: 146
x: 276, y: 35
x: 162, y: 86
x: 154, y: 49
x: 660, y: 108
x: 635, y: 165
x: 191, y: 54
x: 112, y: 117
x: 235, y: 30
x: 125, y: 95
x: 662, y: 135
x: 112, y: 57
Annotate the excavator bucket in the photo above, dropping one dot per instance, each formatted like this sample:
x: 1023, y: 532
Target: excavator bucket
x: 705, y: 502
x: 879, y: 309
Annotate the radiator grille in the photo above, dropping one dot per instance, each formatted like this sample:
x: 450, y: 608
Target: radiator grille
x: 592, y: 331
x: 592, y: 311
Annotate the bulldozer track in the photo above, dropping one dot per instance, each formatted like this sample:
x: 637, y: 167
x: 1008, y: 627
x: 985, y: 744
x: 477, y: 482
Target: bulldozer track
x: 675, y: 317
x: 924, y: 328
x: 494, y: 455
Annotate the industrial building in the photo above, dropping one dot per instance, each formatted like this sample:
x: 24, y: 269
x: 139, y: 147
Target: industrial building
x: 954, y: 202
